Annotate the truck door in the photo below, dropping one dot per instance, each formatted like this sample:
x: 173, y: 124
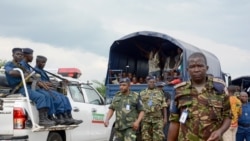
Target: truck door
x: 80, y: 110
x: 98, y: 112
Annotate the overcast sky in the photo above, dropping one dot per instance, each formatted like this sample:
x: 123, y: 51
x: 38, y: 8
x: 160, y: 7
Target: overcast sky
x: 78, y: 33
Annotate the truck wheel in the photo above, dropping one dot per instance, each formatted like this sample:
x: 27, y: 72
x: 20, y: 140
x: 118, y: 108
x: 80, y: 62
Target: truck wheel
x: 112, y: 135
x: 54, y: 136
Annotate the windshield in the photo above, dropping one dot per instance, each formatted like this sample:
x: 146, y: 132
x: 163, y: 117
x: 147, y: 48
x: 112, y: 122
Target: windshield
x: 76, y: 93
x: 92, y: 95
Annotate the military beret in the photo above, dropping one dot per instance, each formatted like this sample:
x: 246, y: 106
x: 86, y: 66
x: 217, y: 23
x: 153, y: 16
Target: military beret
x: 27, y: 51
x: 40, y: 57
x: 16, y: 49
x: 124, y: 80
x: 160, y: 84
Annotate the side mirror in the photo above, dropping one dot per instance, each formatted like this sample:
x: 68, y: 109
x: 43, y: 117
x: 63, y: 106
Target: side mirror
x: 1, y: 104
x: 229, y: 80
x: 108, y: 101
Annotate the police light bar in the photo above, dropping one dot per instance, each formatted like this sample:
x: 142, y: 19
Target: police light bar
x: 70, y: 72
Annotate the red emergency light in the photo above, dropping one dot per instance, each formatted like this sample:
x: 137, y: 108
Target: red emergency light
x: 70, y: 72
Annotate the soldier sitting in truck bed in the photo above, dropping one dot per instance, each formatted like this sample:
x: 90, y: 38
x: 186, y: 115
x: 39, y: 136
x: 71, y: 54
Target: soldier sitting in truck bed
x: 40, y: 63
x: 58, y: 115
x: 43, y: 102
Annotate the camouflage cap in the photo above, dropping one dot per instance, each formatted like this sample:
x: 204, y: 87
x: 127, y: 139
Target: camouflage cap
x: 150, y: 77
x: 160, y: 84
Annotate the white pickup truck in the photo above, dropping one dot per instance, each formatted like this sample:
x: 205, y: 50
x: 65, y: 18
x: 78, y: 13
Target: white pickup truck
x: 19, y: 117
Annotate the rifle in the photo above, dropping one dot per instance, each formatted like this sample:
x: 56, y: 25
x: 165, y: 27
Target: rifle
x: 63, y: 83
x: 21, y: 83
x: 59, y: 77
x: 50, y: 73
x: 30, y: 74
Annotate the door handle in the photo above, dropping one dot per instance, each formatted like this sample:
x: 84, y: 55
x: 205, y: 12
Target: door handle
x: 93, y: 110
x: 75, y: 109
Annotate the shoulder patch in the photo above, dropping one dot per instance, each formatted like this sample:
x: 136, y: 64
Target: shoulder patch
x: 219, y: 81
x: 180, y: 85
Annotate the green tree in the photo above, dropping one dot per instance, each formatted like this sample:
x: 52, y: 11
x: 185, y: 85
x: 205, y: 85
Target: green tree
x: 2, y: 62
x: 100, y: 87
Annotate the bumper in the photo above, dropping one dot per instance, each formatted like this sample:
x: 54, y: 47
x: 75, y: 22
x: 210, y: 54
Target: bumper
x: 14, y: 138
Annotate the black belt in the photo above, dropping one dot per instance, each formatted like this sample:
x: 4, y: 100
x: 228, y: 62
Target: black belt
x: 244, y: 124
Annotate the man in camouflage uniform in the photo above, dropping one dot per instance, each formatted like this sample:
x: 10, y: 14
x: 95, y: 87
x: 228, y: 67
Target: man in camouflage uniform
x: 200, y: 110
x: 129, y: 112
x: 155, y: 112
x: 160, y: 86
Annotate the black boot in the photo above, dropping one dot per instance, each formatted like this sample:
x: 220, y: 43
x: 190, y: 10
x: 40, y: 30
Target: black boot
x: 68, y: 121
x: 55, y: 118
x: 75, y: 120
x: 43, y: 119
x: 60, y: 119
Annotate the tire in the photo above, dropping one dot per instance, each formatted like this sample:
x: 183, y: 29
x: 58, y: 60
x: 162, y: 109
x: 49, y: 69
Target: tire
x: 54, y: 136
x: 112, y: 135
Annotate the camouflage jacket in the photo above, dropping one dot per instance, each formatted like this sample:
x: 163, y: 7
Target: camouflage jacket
x: 127, y: 108
x: 206, y: 110
x: 153, y: 101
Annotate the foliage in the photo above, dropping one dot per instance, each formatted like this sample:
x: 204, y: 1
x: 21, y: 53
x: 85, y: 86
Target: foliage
x: 2, y: 63
x: 100, y: 87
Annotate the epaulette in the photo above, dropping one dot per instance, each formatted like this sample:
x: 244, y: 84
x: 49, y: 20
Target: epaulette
x: 144, y: 90
x: 117, y: 93
x: 180, y: 84
x: 135, y: 93
x: 219, y: 81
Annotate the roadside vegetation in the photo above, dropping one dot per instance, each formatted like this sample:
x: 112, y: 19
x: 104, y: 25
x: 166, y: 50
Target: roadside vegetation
x: 2, y: 63
x: 100, y: 87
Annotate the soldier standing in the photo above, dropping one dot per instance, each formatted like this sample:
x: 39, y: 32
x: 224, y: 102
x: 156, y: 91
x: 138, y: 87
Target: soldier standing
x: 129, y: 112
x: 200, y: 110
x: 155, y: 112
x: 160, y: 86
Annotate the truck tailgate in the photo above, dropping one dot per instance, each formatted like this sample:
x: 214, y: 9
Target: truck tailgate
x: 6, y: 119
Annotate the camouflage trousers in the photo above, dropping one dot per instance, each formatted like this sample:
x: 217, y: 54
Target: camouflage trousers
x: 152, y: 131
x: 126, y: 135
